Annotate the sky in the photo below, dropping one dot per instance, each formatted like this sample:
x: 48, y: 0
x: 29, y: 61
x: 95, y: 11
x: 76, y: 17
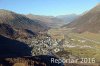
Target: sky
x: 48, y: 7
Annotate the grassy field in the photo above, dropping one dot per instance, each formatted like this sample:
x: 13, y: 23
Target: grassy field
x: 91, y: 36
x: 87, y: 44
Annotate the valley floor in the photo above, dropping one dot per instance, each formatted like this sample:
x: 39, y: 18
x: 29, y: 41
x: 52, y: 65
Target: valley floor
x: 84, y: 45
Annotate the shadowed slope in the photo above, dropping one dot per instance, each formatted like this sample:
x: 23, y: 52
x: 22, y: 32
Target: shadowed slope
x: 13, y: 48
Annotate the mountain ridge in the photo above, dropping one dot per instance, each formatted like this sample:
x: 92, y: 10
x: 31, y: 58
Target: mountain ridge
x: 89, y: 21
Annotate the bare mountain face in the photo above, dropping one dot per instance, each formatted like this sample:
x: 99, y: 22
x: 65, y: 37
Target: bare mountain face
x: 90, y: 21
x: 12, y: 23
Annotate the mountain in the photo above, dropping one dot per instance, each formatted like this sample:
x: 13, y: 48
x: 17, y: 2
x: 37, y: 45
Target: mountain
x: 19, y: 21
x: 89, y: 21
x: 15, y: 25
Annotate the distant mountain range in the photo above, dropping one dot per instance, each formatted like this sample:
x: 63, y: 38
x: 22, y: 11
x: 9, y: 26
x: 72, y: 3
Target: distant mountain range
x: 88, y: 22
x: 52, y: 21
x: 68, y: 18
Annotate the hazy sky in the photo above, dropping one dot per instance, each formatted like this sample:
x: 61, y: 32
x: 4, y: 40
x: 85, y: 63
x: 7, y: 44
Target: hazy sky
x: 48, y: 7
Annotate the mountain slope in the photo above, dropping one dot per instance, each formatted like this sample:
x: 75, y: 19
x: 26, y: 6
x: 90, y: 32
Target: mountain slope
x: 88, y: 22
x: 13, y: 33
x: 20, y: 21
